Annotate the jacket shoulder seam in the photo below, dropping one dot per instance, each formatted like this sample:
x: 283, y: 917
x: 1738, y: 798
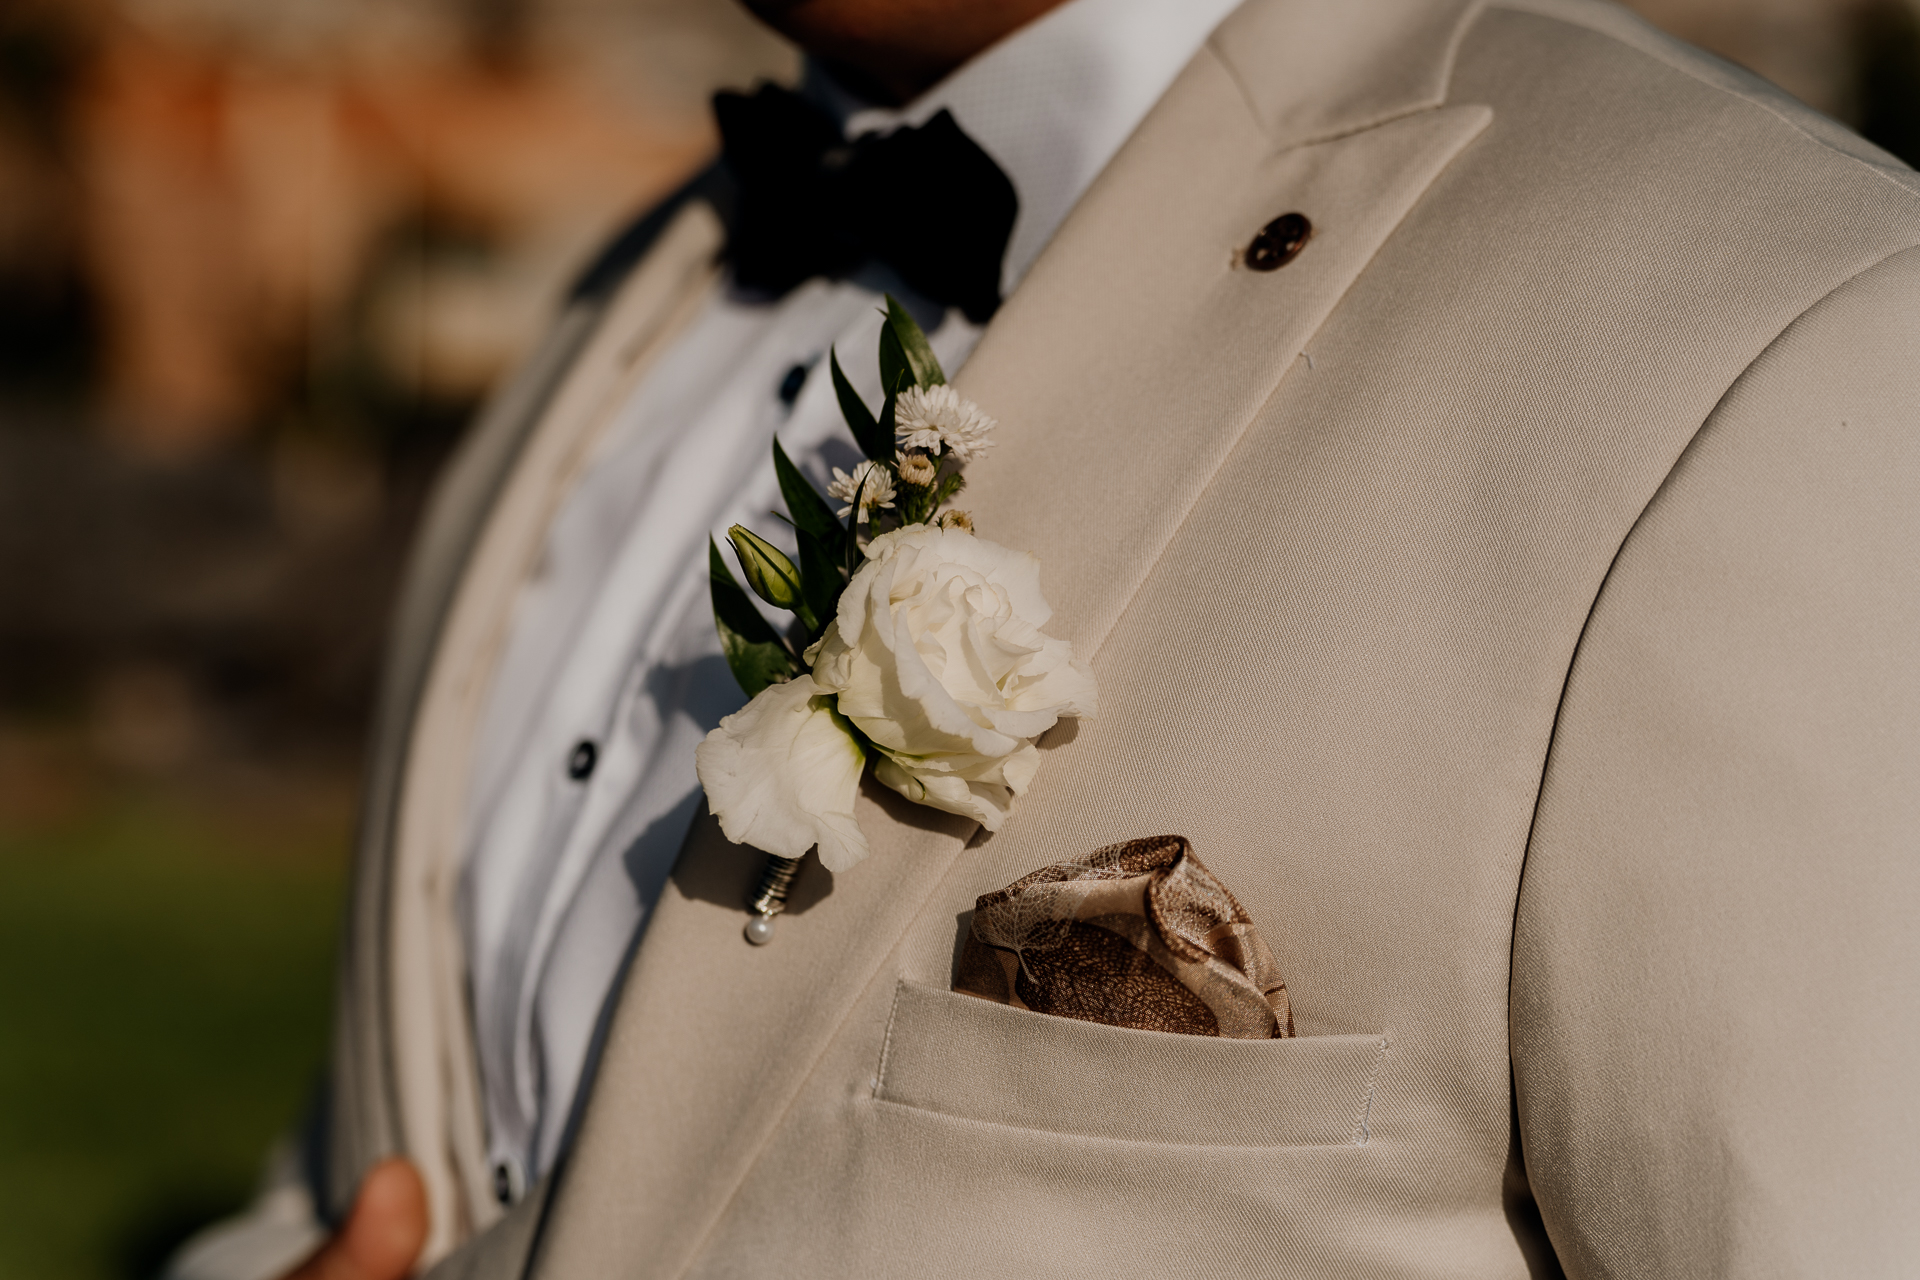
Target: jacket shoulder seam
x: 1633, y: 527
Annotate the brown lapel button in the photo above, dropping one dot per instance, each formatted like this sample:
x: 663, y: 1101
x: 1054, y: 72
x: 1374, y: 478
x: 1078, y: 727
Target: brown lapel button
x: 1279, y: 242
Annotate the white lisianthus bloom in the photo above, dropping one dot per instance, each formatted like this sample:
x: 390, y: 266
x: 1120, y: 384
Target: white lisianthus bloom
x: 871, y: 485
x: 936, y: 418
x: 936, y: 655
x: 782, y: 772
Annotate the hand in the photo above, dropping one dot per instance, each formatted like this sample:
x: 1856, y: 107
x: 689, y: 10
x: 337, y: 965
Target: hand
x: 383, y: 1234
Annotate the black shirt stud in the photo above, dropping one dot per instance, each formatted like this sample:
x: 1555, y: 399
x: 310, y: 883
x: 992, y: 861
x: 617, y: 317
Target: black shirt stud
x: 1279, y: 242
x: 790, y: 385
x: 581, y: 759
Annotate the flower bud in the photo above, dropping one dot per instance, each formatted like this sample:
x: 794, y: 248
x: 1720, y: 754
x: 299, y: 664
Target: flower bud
x: 917, y: 469
x: 770, y: 574
x: 956, y: 520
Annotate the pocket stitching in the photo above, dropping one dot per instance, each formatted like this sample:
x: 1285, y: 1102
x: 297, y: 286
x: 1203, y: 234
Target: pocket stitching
x: 1361, y: 1134
x: 886, y: 1042
x: 1074, y: 1135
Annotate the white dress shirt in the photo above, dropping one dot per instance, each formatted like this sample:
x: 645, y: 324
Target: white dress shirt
x: 583, y: 784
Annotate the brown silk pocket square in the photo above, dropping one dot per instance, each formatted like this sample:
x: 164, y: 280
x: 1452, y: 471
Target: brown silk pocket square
x: 1138, y: 935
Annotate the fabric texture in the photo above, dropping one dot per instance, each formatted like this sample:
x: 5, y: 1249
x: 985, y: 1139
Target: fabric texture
x: 1137, y: 934
x: 1333, y: 535
x: 1513, y: 595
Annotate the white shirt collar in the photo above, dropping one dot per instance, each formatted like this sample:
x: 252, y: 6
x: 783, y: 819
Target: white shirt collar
x: 1055, y: 100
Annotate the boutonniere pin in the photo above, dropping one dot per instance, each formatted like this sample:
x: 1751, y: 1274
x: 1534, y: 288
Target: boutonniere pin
x: 915, y: 645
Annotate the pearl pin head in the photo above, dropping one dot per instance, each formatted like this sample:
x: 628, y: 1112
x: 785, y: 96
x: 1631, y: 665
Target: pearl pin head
x: 770, y: 899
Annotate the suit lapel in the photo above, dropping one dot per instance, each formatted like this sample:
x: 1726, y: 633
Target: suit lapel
x: 428, y: 1039
x: 1123, y: 372
x: 1143, y: 346
x: 365, y: 1114
x: 363, y: 1119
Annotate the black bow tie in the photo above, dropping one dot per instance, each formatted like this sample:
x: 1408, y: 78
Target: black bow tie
x: 926, y: 201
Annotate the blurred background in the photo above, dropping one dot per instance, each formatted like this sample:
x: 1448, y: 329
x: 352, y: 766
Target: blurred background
x: 259, y: 260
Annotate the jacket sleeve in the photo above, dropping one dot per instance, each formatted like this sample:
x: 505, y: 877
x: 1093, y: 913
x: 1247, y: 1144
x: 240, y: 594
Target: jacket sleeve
x: 266, y: 1239
x: 1716, y: 969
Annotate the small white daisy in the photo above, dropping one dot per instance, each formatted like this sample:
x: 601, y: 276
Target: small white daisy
x: 916, y: 469
x: 877, y: 490
x: 937, y: 418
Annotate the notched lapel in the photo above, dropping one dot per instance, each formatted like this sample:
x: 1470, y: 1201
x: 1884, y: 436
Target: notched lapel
x: 1123, y: 371
x: 1315, y: 69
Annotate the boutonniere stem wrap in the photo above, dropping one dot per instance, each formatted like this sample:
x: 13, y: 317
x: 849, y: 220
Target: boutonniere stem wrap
x: 915, y: 647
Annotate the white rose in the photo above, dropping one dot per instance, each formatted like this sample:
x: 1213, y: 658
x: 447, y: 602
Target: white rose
x: 937, y: 657
x: 782, y: 772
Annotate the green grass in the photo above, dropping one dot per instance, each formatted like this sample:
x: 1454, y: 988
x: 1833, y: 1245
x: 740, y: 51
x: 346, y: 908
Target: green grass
x: 165, y: 971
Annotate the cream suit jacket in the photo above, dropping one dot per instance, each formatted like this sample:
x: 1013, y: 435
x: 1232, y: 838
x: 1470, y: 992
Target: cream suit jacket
x: 1516, y: 600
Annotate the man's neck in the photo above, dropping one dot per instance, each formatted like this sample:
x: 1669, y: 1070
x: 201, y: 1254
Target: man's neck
x: 891, y: 51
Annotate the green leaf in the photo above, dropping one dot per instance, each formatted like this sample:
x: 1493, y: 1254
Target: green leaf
x: 915, y: 350
x: 896, y: 368
x: 889, y: 417
x: 873, y: 442
x: 896, y: 372
x: 821, y: 577
x: 753, y: 649
x: 811, y: 514
x: 853, y: 531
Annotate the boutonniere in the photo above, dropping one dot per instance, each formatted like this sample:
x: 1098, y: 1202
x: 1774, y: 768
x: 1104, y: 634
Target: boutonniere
x: 915, y: 645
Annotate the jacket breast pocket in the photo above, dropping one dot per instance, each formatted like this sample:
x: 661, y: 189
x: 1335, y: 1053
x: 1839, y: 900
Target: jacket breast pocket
x: 960, y: 1056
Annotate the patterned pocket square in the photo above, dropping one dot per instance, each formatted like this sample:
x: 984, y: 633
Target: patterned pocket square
x: 1138, y: 935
